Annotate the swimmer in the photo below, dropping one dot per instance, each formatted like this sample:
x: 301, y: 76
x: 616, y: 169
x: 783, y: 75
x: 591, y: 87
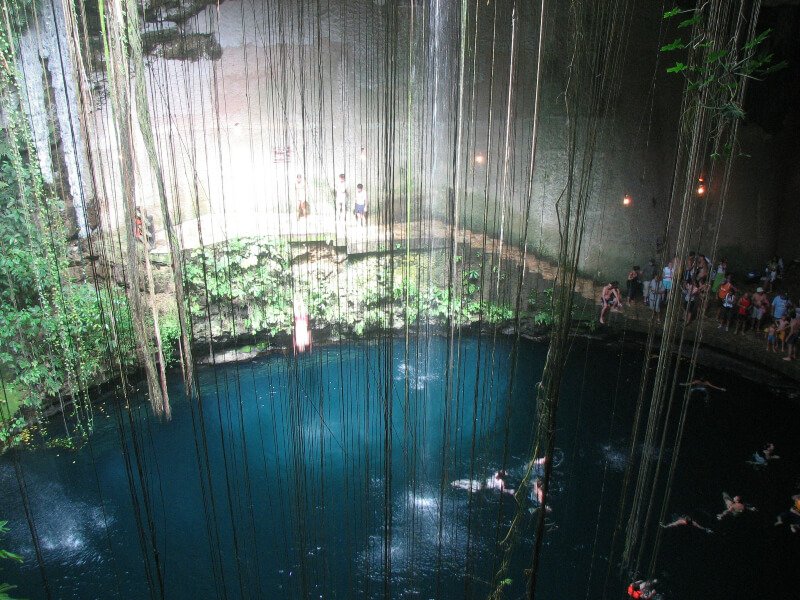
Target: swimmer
x: 791, y: 517
x: 642, y: 589
x: 733, y: 506
x: 537, y: 462
x: 498, y: 482
x: 495, y: 482
x: 761, y: 459
x: 686, y: 520
x: 470, y: 485
x: 537, y: 496
x: 702, y: 386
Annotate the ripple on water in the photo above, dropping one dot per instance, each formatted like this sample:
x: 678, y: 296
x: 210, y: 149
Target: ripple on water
x: 67, y: 528
x: 411, y: 373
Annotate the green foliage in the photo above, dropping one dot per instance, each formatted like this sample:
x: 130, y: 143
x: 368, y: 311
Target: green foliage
x: 541, y: 307
x: 54, y: 335
x: 717, y: 68
x: 6, y: 555
x: 248, y: 275
x: 497, y: 313
x: 36, y: 359
x: 678, y: 67
x: 169, y: 328
x: 471, y: 281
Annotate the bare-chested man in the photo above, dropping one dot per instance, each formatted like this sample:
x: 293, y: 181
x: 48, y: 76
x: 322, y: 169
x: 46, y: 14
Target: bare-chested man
x: 610, y: 298
x: 733, y: 506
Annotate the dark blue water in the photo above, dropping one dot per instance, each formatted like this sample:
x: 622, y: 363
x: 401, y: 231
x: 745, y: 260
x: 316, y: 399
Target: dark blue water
x: 312, y: 478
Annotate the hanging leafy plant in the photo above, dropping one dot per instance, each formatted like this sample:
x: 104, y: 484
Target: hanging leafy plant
x: 717, y: 66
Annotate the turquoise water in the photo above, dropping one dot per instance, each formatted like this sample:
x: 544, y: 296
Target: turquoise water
x: 316, y: 477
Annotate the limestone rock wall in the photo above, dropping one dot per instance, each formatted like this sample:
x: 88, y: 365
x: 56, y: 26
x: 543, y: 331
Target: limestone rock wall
x: 245, y: 95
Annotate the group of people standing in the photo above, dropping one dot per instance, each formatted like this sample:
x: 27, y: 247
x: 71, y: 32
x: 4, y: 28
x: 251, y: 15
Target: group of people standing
x: 342, y: 196
x: 773, y: 315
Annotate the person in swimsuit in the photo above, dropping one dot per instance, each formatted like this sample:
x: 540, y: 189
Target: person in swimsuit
x: 742, y: 311
x: 733, y: 507
x: 782, y: 330
x: 642, y: 589
x: 609, y: 298
x: 772, y: 337
x: 686, y: 520
x: 760, y: 304
x: 537, y: 496
x: 791, y: 339
x: 791, y: 517
x: 702, y: 386
x: 762, y: 458
x: 495, y: 482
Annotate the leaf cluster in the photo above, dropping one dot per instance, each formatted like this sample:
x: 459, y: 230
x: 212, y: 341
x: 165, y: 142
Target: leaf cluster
x: 717, y: 67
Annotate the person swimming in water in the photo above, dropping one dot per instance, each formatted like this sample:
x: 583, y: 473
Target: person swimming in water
x: 762, y: 458
x: 642, y: 589
x: 495, y: 482
x: 791, y: 517
x: 537, y: 496
x: 686, y: 520
x: 702, y: 386
x: 733, y: 506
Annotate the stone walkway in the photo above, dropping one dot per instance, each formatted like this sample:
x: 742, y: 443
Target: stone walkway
x: 359, y: 239
x: 747, y: 348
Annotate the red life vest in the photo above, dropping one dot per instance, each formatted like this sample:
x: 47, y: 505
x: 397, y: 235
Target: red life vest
x: 634, y: 593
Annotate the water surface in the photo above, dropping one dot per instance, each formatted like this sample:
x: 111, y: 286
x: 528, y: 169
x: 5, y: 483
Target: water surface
x: 315, y: 477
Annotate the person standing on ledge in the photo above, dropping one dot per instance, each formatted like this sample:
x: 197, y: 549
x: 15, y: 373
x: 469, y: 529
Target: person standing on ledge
x: 666, y: 278
x: 341, y: 196
x: 610, y: 298
x: 791, y: 339
x: 300, y: 197
x: 632, y: 290
x: 361, y: 204
x: 648, y: 274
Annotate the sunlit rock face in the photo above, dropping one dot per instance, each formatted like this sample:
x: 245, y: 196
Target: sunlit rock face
x: 246, y: 95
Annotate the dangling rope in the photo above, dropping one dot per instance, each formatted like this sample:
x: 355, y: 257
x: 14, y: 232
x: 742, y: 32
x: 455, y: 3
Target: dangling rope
x: 114, y: 43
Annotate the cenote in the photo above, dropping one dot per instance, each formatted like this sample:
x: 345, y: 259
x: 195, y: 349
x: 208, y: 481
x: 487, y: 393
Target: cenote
x: 404, y: 299
x: 278, y: 487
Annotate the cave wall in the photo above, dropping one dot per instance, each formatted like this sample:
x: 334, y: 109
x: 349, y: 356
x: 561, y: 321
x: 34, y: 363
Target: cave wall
x: 233, y: 84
